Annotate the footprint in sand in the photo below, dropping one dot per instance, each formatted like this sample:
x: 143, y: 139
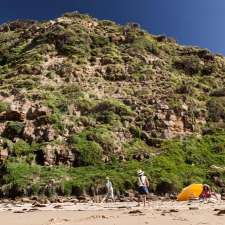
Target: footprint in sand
x: 55, y: 221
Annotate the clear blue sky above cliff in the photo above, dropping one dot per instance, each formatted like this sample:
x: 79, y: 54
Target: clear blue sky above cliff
x: 191, y: 22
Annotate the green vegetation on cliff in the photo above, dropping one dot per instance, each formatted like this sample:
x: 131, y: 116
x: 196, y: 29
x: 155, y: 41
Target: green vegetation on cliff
x: 82, y: 98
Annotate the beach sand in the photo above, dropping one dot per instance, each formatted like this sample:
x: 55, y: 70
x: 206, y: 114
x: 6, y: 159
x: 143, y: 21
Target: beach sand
x: 157, y: 213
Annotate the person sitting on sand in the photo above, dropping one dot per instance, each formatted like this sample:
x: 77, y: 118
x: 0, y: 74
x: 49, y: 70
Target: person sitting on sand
x: 109, y: 189
x: 143, y: 185
x: 207, y: 193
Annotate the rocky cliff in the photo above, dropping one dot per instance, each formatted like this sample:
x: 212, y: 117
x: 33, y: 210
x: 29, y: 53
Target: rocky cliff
x: 77, y: 92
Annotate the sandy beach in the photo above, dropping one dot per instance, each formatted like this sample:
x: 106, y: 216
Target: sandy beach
x: 156, y: 213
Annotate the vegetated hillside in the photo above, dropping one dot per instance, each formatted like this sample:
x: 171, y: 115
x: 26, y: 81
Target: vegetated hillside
x: 82, y: 98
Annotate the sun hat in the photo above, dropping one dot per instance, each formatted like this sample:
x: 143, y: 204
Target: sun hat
x: 107, y: 178
x: 140, y: 172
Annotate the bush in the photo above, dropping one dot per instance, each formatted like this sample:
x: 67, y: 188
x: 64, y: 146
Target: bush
x: 218, y: 93
x: 72, y: 91
x: 86, y: 152
x: 104, y: 137
x: 4, y: 106
x: 108, y: 117
x: 115, y: 106
x: 145, y: 45
x: 76, y: 15
x: 216, y: 109
x: 56, y: 120
x: 27, y: 83
x: 21, y: 148
x: 99, y: 41
x: 137, y: 149
x: 85, y: 105
x: 189, y: 64
x: 115, y: 73
x: 14, y: 128
x: 100, y: 139
x: 111, y: 55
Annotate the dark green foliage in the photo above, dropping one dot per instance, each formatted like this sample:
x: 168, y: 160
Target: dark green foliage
x: 99, y: 41
x: 108, y: 117
x: 76, y: 15
x: 92, y: 143
x: 28, y: 84
x: 136, y: 131
x: 114, y: 106
x: 145, y: 44
x: 56, y: 120
x: 21, y: 148
x: 85, y: 105
x: 189, y: 64
x: 14, y: 128
x: 4, y: 106
x: 216, y: 109
x: 103, y: 136
x: 137, y: 149
x: 67, y: 42
x: 72, y: 91
x: 218, y: 93
x: 110, y: 54
x: 116, y: 73
x: 87, y: 152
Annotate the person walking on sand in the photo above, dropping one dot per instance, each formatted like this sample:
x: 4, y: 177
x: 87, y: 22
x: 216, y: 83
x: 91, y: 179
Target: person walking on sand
x: 143, y: 185
x: 109, y: 189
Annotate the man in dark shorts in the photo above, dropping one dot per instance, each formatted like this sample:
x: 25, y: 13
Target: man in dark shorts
x: 143, y: 185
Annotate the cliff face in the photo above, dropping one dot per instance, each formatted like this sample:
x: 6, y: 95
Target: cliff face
x: 78, y: 91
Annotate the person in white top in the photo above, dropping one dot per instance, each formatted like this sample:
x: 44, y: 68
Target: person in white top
x: 109, y: 188
x: 143, y: 185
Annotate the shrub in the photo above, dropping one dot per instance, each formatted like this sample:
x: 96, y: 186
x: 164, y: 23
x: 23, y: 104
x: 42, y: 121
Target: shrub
x: 104, y: 137
x: 21, y: 148
x: 54, y: 100
x: 27, y: 83
x: 56, y: 120
x: 76, y: 15
x: 216, y: 109
x: 100, y: 139
x: 137, y: 148
x: 115, y: 106
x: 115, y: 73
x: 189, y: 64
x: 72, y: 91
x: 85, y: 105
x: 108, y: 117
x: 111, y: 55
x: 14, y: 127
x: 4, y: 106
x: 145, y: 45
x: 218, y: 93
x: 135, y: 131
x: 99, y: 41
x: 86, y: 152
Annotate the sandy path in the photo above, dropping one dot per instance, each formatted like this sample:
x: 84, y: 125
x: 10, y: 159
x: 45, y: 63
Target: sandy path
x: 158, y: 213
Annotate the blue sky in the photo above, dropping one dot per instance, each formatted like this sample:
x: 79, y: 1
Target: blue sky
x: 191, y: 22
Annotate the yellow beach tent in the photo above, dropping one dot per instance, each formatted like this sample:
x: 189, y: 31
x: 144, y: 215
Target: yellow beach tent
x: 190, y: 192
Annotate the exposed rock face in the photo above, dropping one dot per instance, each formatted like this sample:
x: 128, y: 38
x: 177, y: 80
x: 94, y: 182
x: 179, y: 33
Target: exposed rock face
x: 55, y: 155
x: 37, y: 111
x: 3, y: 154
x: 11, y: 116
